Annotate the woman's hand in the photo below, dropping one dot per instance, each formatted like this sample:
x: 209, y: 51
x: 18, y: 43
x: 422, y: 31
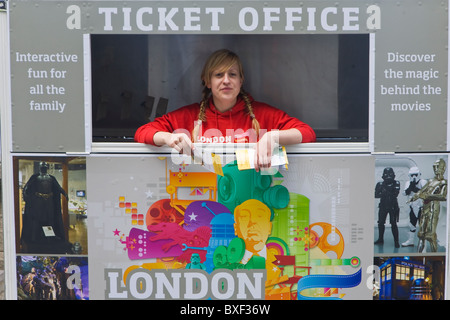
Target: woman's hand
x: 271, y: 140
x: 180, y: 142
x: 264, y: 150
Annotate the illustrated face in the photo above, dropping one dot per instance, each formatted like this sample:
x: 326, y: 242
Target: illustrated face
x: 252, y: 224
x: 225, y: 87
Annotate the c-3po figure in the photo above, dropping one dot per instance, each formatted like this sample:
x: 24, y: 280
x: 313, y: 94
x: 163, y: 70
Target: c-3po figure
x: 434, y: 191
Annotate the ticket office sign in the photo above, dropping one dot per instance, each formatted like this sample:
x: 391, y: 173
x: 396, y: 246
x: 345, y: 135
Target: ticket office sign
x: 51, y: 79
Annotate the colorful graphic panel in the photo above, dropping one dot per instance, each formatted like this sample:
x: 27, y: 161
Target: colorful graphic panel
x: 155, y: 224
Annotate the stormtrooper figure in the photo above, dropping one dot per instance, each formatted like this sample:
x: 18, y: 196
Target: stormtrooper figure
x: 412, y: 186
x: 387, y: 191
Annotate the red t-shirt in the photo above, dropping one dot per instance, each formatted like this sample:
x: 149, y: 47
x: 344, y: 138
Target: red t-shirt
x: 234, y: 125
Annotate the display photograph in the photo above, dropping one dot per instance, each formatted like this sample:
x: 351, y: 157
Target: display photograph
x: 410, y: 278
x: 51, y: 200
x: 52, y: 278
x: 411, y: 204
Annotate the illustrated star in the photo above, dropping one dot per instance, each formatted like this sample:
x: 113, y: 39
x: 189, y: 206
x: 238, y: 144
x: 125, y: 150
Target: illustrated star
x: 116, y: 232
x: 149, y: 194
x: 193, y: 217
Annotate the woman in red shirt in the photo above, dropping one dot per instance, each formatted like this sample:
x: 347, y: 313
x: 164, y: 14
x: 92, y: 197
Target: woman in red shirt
x: 226, y: 114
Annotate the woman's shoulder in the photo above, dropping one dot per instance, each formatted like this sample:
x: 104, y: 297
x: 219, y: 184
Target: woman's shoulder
x: 259, y: 106
x: 193, y: 107
x: 187, y: 111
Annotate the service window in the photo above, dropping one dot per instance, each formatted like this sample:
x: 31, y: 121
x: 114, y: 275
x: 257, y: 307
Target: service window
x: 322, y: 79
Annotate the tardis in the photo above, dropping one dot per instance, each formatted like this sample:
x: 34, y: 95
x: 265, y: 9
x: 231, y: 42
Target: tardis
x: 399, y: 277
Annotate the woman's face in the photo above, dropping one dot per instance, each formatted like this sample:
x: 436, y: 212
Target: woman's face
x: 225, y: 87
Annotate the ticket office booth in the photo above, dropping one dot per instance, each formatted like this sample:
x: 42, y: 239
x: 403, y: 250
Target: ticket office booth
x: 326, y: 79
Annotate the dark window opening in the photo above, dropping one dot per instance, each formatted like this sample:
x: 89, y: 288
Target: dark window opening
x: 321, y: 79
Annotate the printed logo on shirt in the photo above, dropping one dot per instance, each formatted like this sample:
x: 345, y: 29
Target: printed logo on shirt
x: 232, y: 136
x: 220, y: 139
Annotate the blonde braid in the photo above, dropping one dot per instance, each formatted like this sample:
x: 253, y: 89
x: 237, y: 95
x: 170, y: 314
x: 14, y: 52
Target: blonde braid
x: 255, y: 123
x: 201, y: 114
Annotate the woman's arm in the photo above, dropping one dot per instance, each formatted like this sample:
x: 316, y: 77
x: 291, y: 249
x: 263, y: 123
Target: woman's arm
x: 180, y: 142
